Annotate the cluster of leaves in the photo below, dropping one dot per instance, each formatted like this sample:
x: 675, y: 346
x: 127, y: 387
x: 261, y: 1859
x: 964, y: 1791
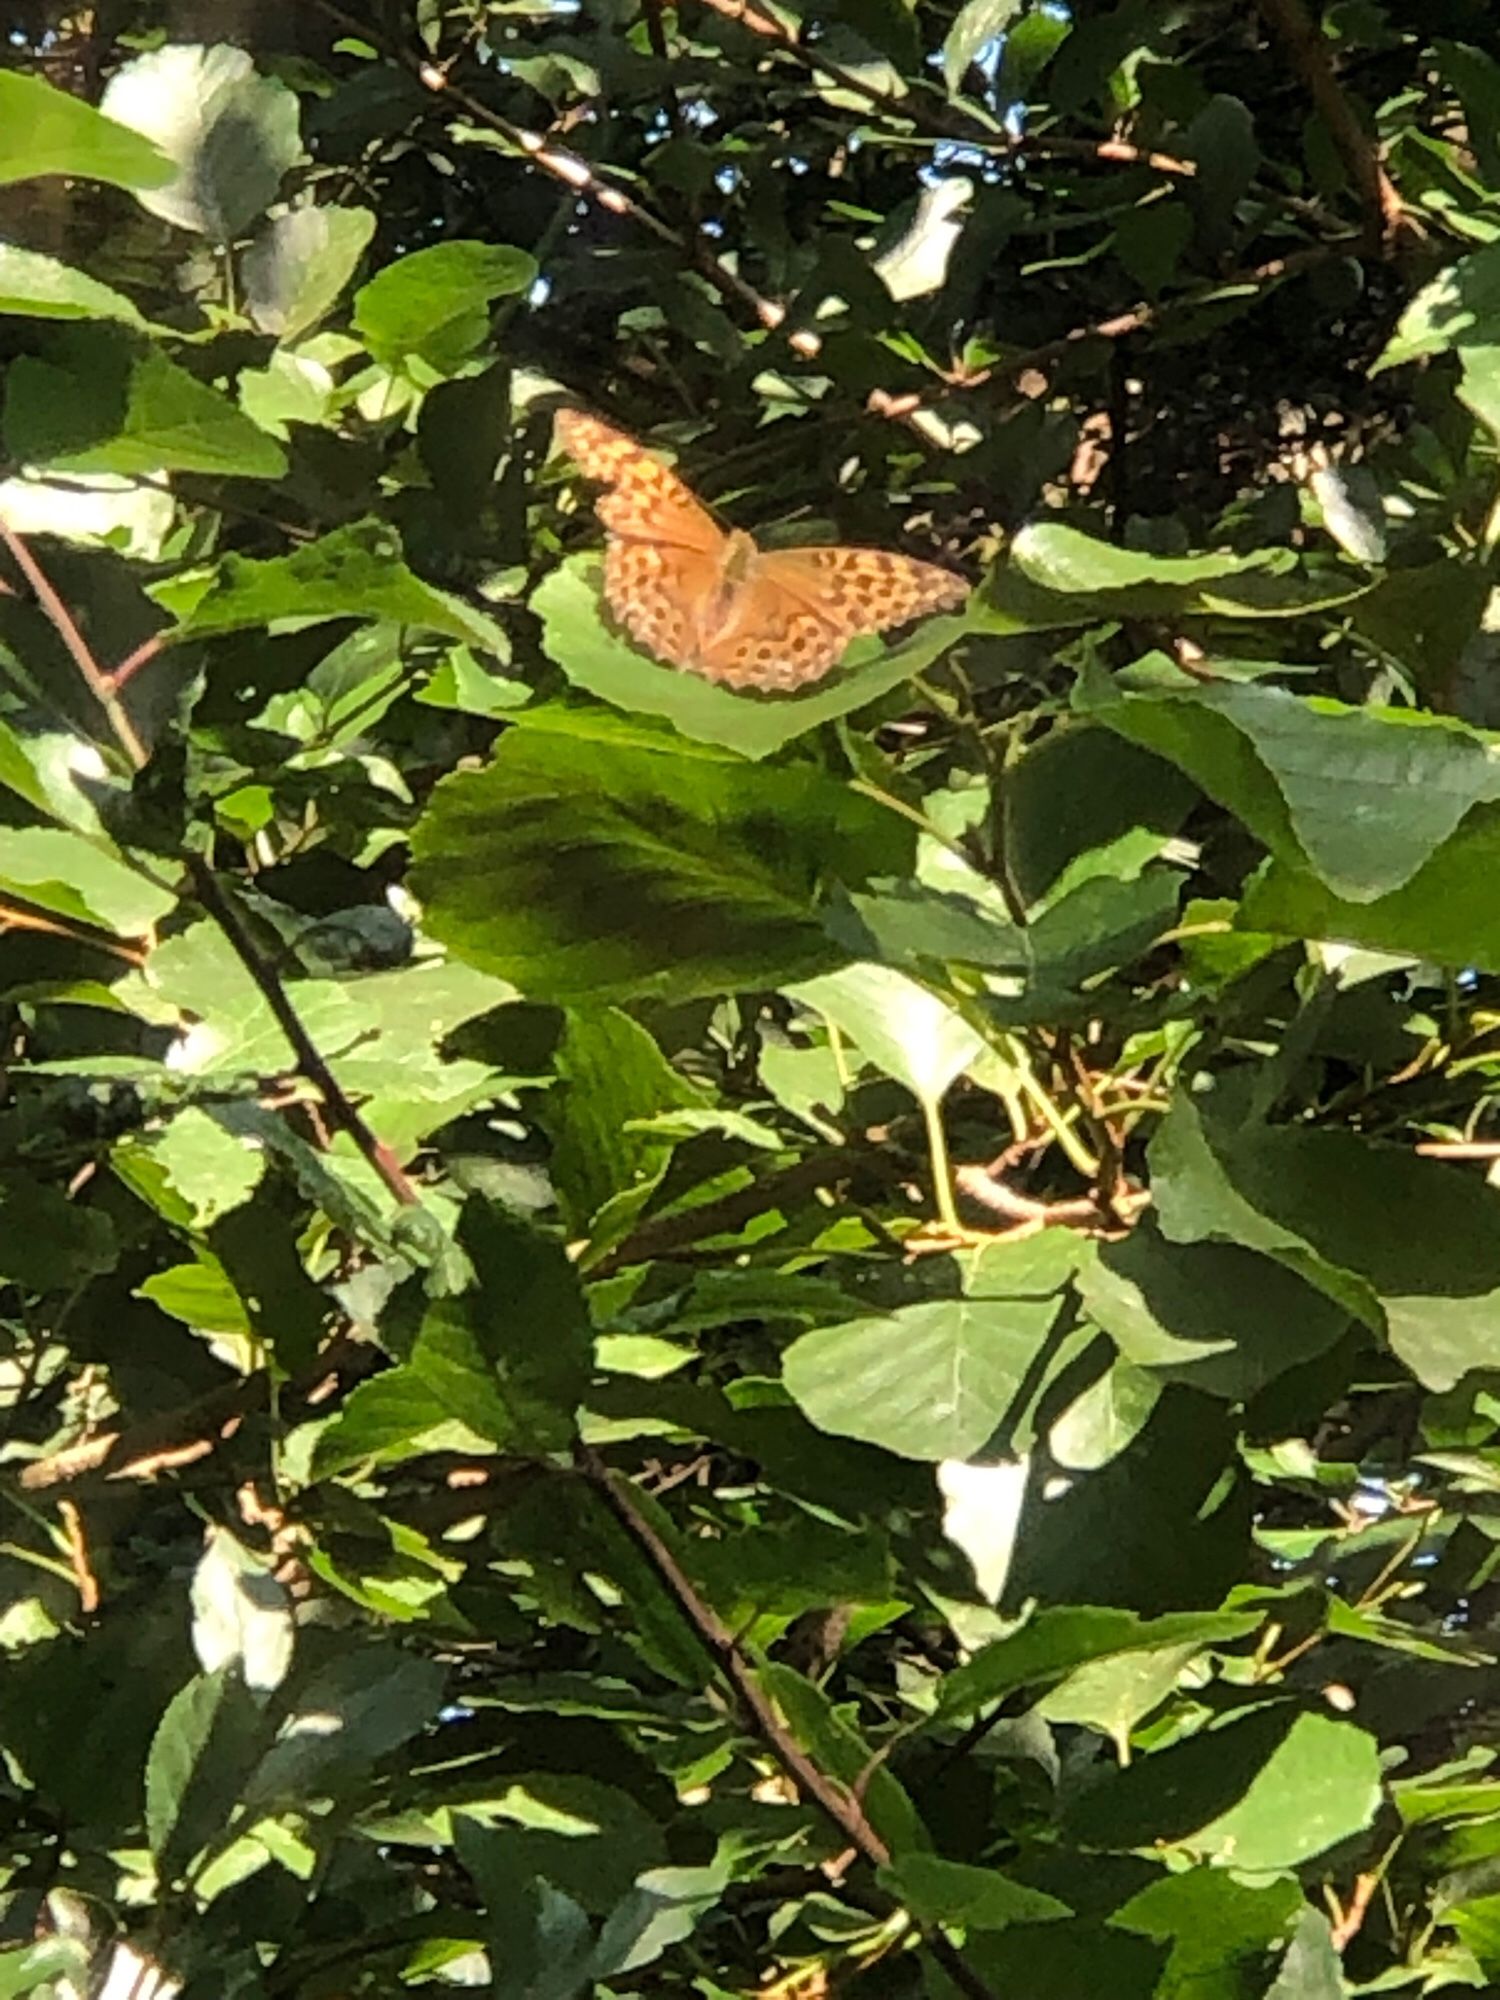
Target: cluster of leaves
x: 652, y: 1339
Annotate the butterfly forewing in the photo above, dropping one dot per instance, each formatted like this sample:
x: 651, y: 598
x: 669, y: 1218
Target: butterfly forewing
x: 862, y: 590
x: 646, y: 501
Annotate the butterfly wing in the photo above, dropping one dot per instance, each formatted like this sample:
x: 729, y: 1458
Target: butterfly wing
x: 797, y: 610
x: 646, y: 501
x: 654, y: 591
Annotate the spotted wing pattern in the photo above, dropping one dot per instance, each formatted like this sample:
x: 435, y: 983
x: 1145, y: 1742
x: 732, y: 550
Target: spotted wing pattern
x: 799, y: 609
x: 646, y: 501
x: 714, y: 604
x: 655, y: 591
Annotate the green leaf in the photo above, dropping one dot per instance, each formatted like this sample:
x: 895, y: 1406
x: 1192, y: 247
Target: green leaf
x: 1320, y: 1202
x: 200, y: 1295
x: 209, y: 1741
x: 903, y: 1029
x: 953, y: 1892
x: 597, y: 659
x: 1268, y: 1790
x: 611, y: 1077
x: 1365, y: 795
x: 49, y: 131
x: 1056, y: 1642
x: 1444, y: 912
x: 593, y: 862
x: 1062, y: 559
x: 40, y: 287
x: 1459, y: 308
x: 1210, y: 1314
x: 365, y: 1702
x: 1221, y: 1928
x: 229, y: 133
x: 663, y: 1908
x: 477, y: 1354
x: 355, y: 572
x: 433, y: 305
x: 75, y: 876
x: 102, y: 402
x: 936, y: 1380
x: 299, y: 264
x: 210, y: 1169
x: 47, y: 1242
x: 976, y: 25
x: 399, y: 1415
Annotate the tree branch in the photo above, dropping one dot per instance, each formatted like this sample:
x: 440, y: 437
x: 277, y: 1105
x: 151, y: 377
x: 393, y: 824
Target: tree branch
x: 65, y: 625
x: 836, y: 1801
x: 1307, y: 50
x: 340, y: 1113
x: 576, y: 173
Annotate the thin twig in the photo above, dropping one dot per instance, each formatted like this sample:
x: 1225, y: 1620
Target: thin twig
x: 1307, y: 50
x: 66, y: 628
x: 941, y: 122
x: 337, y: 1108
x: 161, y: 1444
x: 833, y: 1799
x: 575, y: 172
x: 14, y: 918
x: 78, y: 1555
x: 837, y: 1802
x: 134, y: 661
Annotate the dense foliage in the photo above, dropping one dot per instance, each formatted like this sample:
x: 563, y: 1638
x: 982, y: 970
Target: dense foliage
x: 658, y: 1339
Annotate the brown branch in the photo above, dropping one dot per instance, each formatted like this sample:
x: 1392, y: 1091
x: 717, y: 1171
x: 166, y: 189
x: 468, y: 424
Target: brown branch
x: 1138, y: 319
x: 575, y: 172
x: 940, y: 123
x: 1085, y: 1211
x: 134, y: 661
x: 839, y: 1804
x: 78, y: 1557
x: 340, y: 1113
x: 1307, y: 50
x: 65, y: 626
x: 162, y: 1444
x: 832, y: 1798
x: 13, y: 917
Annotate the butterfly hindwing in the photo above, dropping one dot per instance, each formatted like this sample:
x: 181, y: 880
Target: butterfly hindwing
x: 653, y: 591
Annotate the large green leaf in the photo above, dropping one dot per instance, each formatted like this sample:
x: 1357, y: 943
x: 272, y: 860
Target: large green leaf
x: 1363, y: 796
x: 937, y: 1380
x: 102, y: 402
x: 355, y: 572
x: 1056, y: 1642
x: 39, y: 287
x: 590, y: 861
x: 230, y: 133
x: 602, y: 661
x: 48, y: 131
x: 433, y: 305
x: 1265, y: 1791
x: 1322, y: 1202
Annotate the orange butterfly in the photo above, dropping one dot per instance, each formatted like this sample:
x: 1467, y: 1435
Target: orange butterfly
x: 716, y: 604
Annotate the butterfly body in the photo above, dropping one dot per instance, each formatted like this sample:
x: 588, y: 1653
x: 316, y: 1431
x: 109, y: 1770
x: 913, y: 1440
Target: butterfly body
x: 716, y: 604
